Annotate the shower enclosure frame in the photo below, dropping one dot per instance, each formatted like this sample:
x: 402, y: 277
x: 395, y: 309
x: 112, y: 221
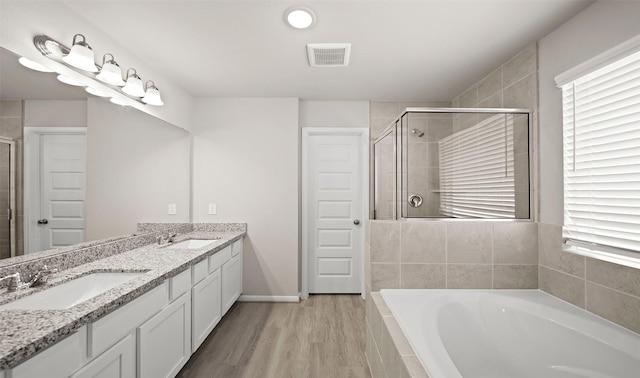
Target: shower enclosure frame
x: 397, y: 123
x: 11, y: 215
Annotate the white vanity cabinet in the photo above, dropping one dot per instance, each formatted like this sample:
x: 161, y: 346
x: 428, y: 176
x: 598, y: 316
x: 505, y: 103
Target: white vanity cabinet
x: 206, y: 308
x: 59, y: 360
x: 152, y: 336
x: 117, y: 362
x: 232, y: 277
x: 164, y: 341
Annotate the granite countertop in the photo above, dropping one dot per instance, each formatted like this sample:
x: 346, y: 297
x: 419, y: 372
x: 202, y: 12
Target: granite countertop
x: 26, y: 332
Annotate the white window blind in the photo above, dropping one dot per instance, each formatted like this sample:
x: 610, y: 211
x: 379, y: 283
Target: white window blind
x: 601, y: 128
x: 477, y: 170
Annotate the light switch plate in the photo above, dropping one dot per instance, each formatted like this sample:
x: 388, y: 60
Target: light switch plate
x: 172, y: 209
x: 213, y: 208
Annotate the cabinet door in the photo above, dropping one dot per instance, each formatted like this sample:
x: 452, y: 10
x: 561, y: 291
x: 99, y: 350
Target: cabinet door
x: 230, y: 282
x: 164, y: 342
x: 59, y: 360
x: 117, y: 362
x: 206, y: 308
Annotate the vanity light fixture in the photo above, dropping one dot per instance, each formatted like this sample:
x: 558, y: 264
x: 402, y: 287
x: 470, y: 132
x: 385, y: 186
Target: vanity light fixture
x: 118, y: 101
x: 69, y: 81
x: 152, y: 94
x: 133, y: 86
x: 299, y: 17
x: 110, y: 72
x: 103, y: 80
x: 81, y: 55
x: 33, y: 65
x: 96, y: 92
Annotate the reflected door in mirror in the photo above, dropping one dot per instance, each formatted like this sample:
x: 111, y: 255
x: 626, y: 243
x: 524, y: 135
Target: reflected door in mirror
x: 59, y: 219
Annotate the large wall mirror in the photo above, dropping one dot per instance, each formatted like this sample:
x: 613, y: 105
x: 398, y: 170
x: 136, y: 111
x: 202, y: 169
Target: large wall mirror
x: 76, y: 168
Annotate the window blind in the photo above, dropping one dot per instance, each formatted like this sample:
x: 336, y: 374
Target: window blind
x: 601, y: 138
x: 477, y: 170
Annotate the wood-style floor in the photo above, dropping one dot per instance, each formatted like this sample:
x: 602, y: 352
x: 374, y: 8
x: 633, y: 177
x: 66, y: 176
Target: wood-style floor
x: 323, y: 336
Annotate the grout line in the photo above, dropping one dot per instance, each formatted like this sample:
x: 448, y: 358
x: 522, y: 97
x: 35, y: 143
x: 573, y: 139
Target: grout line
x: 610, y: 288
x: 560, y: 271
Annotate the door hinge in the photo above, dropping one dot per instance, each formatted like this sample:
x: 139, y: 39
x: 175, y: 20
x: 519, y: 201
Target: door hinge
x: 9, y: 214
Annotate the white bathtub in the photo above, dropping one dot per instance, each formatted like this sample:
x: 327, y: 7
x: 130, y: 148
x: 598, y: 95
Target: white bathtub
x: 511, y: 333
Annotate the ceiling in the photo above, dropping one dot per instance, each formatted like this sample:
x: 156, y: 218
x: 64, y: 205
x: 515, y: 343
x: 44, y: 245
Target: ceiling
x: 401, y: 50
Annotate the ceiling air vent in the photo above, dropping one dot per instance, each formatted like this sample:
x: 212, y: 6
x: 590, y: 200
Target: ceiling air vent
x: 328, y: 54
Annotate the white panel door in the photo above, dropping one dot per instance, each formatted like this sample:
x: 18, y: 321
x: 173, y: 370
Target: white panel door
x: 62, y: 190
x: 334, y: 213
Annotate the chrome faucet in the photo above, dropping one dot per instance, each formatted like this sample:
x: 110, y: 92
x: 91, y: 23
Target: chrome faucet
x: 41, y: 276
x: 15, y: 282
x: 167, y: 240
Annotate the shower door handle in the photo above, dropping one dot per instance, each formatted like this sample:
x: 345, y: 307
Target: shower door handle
x: 356, y: 222
x: 43, y: 221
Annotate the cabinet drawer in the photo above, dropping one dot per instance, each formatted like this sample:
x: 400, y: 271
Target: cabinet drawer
x: 117, y: 362
x: 217, y: 259
x: 236, y: 247
x: 180, y: 284
x: 106, y: 331
x: 59, y: 360
x: 200, y: 271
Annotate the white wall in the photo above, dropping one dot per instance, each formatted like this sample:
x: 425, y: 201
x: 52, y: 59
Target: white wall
x: 55, y: 113
x: 245, y: 160
x: 136, y: 166
x: 334, y: 114
x: 593, y: 31
x: 20, y: 21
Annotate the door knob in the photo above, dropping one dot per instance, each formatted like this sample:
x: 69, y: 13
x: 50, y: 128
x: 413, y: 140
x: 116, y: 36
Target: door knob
x: 43, y: 221
x: 356, y: 222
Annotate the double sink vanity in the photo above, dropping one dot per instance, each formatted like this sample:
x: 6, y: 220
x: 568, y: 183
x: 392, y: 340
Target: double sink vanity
x: 136, y: 308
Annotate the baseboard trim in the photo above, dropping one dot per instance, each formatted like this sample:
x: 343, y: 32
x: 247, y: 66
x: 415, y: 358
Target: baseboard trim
x: 269, y: 298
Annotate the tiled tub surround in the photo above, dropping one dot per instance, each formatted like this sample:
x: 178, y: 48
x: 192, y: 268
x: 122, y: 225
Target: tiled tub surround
x: 26, y: 332
x: 388, y: 351
x: 451, y: 255
x: 609, y: 290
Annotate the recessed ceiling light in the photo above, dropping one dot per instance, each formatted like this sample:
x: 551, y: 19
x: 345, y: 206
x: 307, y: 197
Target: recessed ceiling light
x: 299, y: 17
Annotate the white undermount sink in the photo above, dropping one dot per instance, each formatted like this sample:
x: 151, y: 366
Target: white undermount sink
x: 71, y: 293
x: 193, y: 243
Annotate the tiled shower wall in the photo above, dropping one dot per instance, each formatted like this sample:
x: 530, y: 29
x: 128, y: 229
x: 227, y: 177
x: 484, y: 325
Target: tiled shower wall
x: 459, y: 254
x: 11, y: 126
x: 451, y: 255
